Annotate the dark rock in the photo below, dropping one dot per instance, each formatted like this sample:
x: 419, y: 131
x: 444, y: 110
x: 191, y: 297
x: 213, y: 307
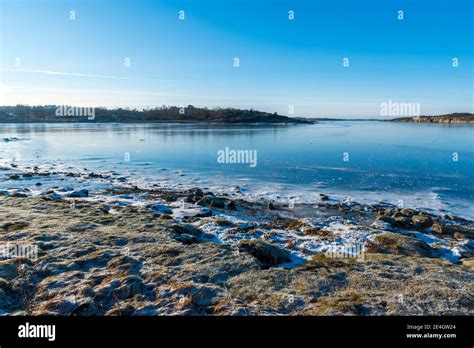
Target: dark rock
x: 14, y: 177
x: 186, y: 229
x: 79, y: 193
x: 267, y: 254
x: 211, y: 201
x: 82, y: 227
x: 14, y: 226
x: 231, y: 205
x: 160, y: 208
x: 18, y: 195
x: 105, y: 208
x: 323, y: 197
x: 271, y: 206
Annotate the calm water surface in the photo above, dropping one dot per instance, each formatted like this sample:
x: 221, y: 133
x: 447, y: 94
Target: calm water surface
x: 363, y: 160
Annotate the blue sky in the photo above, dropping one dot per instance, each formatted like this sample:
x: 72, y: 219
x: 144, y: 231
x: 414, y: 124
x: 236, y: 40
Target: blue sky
x: 282, y: 62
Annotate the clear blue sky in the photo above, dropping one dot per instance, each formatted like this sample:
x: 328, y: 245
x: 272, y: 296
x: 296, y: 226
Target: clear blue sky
x: 282, y: 62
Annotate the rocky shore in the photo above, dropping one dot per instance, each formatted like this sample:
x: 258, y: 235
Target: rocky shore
x: 455, y: 118
x: 128, y: 250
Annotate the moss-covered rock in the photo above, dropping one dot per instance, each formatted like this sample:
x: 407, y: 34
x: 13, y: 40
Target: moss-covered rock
x: 267, y: 254
x: 393, y: 243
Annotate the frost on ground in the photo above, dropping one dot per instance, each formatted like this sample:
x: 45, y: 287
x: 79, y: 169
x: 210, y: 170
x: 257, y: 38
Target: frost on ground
x: 104, y: 246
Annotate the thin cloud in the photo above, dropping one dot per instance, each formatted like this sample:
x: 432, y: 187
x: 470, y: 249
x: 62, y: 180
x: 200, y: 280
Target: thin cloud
x: 50, y: 72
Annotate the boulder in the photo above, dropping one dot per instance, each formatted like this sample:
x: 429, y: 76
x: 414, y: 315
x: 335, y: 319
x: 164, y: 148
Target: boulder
x: 231, y: 205
x: 160, y: 208
x: 79, y: 193
x: 459, y: 232
x: 267, y: 254
x: 14, y: 226
x: 212, y: 201
x: 382, y: 225
x: 393, y: 243
x: 8, y: 269
x: 323, y: 197
x: 421, y: 221
x: 469, y: 263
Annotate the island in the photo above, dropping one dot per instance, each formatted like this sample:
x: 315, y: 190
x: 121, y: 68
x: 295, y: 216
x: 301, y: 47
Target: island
x: 460, y: 117
x: 168, y: 114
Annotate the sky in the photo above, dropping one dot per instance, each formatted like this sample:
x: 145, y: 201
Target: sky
x: 49, y: 55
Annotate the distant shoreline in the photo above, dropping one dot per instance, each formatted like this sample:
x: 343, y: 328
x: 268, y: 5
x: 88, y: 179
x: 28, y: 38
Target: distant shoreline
x: 455, y: 118
x: 164, y: 114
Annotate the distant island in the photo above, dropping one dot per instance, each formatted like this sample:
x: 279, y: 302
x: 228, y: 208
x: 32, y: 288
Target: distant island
x: 448, y: 118
x: 170, y: 114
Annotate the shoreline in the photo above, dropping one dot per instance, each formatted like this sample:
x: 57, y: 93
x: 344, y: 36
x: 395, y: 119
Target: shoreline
x: 152, y: 247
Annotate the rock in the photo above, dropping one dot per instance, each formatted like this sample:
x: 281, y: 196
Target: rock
x: 81, y: 227
x: 212, y: 201
x: 129, y: 287
x: 454, y: 230
x: 382, y: 225
x: 407, y: 212
x: 323, y: 197
x: 18, y: 194
x: 468, y: 263
x: 393, y: 243
x: 458, y: 235
x: 187, y: 234
x: 385, y: 218
x: 267, y: 254
x: 14, y: 177
x: 79, y: 194
x: 271, y: 206
x: 27, y: 175
x: 66, y: 189
x: 14, y: 226
x: 53, y: 197
x: 403, y: 222
x: 8, y: 269
x: 196, y: 193
x: 193, y: 212
x: 160, y: 208
x: 186, y: 229
x: 231, y: 205
x: 105, y: 208
x: 317, y: 232
x: 38, y: 184
x: 421, y: 221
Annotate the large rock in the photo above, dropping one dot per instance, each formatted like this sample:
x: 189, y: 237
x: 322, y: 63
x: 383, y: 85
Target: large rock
x: 14, y: 226
x: 160, y: 208
x: 452, y: 230
x: 212, y: 201
x: 393, y: 243
x: 421, y: 221
x: 8, y: 269
x: 79, y: 194
x: 187, y: 234
x: 268, y: 255
x: 469, y: 263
